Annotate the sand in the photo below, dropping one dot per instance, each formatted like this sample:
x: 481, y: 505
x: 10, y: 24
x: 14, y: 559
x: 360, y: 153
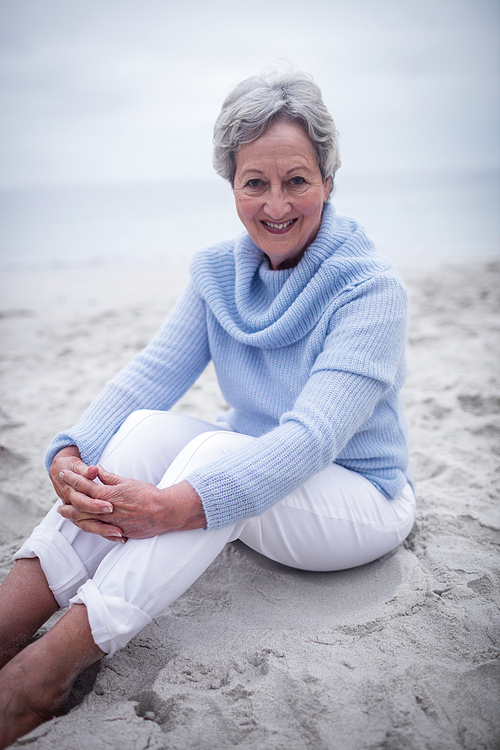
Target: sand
x: 399, y: 654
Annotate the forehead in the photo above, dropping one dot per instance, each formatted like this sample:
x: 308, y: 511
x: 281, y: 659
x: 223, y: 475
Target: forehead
x: 284, y: 142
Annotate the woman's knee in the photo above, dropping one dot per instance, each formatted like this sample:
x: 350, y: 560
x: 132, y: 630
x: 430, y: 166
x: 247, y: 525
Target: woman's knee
x: 148, y: 441
x: 203, y: 450
x: 136, y: 417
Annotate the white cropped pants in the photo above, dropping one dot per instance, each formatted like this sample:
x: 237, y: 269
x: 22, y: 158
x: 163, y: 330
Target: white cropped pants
x: 337, y: 519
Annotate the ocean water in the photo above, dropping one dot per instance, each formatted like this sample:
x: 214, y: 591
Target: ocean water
x: 410, y: 217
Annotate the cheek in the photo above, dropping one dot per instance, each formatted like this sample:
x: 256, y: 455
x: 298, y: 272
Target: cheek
x: 312, y: 206
x: 246, y: 208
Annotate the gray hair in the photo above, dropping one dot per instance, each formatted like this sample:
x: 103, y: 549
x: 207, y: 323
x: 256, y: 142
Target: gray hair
x: 258, y: 102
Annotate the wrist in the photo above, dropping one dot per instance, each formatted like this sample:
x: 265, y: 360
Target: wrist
x: 68, y: 450
x: 185, y: 509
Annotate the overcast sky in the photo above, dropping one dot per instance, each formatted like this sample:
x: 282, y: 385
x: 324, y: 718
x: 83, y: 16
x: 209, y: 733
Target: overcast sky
x: 113, y: 90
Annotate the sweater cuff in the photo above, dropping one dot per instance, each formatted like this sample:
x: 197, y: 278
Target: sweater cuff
x: 220, y: 513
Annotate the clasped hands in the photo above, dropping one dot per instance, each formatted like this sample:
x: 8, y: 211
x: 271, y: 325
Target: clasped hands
x: 120, y: 508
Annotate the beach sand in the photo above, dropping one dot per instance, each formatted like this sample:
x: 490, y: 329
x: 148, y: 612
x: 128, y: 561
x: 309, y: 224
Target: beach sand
x: 399, y: 654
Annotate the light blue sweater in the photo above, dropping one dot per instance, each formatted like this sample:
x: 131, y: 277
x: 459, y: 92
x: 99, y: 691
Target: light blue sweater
x: 310, y: 360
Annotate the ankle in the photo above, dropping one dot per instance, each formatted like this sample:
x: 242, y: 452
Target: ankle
x: 29, y: 696
x: 35, y: 684
x: 10, y: 648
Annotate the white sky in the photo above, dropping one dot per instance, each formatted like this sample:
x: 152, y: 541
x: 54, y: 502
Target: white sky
x: 113, y: 90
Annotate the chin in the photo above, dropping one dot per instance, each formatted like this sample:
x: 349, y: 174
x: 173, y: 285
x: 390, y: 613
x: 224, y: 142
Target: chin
x: 285, y: 260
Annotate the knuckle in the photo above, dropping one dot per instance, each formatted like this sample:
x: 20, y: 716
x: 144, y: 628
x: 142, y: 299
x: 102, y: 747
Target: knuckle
x: 78, y: 505
x: 76, y: 481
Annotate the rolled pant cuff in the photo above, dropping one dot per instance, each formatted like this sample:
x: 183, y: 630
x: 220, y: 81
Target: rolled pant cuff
x: 57, y: 557
x: 113, y: 621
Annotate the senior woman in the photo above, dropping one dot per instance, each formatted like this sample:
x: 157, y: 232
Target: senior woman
x: 306, y: 326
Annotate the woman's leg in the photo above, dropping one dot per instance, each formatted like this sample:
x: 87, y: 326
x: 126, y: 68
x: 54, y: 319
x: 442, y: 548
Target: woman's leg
x: 308, y: 529
x: 148, y: 441
x: 26, y: 598
x: 136, y: 581
x: 35, y: 684
x: 143, y: 449
x: 58, y: 557
x: 336, y: 520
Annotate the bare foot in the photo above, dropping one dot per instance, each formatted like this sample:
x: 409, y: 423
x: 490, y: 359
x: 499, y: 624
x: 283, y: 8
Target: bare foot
x: 29, y: 695
x: 35, y: 684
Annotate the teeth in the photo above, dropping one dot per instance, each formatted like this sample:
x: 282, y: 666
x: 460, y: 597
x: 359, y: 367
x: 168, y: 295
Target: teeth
x: 278, y: 226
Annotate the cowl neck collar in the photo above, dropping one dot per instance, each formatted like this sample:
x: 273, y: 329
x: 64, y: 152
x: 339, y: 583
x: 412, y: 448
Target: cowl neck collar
x: 266, y: 308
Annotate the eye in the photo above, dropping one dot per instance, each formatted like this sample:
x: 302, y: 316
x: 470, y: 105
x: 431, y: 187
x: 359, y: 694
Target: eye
x: 254, y: 183
x: 297, y: 181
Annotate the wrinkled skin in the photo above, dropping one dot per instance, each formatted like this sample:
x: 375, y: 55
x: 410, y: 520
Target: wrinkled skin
x: 118, y: 508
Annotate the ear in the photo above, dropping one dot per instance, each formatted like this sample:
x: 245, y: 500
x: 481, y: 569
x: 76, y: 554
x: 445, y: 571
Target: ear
x: 326, y: 188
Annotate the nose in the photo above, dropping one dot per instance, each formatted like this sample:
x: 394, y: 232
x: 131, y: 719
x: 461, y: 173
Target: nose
x: 277, y: 204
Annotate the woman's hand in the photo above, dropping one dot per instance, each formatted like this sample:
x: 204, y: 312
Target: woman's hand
x: 69, y: 459
x: 138, y: 509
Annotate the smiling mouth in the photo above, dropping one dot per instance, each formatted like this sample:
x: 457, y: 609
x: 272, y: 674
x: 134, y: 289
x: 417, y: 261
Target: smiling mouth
x: 283, y: 225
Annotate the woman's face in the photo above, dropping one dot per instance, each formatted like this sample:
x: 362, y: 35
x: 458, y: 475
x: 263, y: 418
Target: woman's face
x: 279, y: 192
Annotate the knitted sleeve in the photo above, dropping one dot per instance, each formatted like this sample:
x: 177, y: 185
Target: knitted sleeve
x: 155, y: 379
x: 357, y: 370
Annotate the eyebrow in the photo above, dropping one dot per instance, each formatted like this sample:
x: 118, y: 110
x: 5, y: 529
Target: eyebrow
x: 250, y: 170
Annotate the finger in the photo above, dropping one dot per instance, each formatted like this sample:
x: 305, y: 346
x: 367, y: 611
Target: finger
x: 88, y: 506
x: 86, y: 495
x: 82, y: 503
x: 67, y: 461
x: 122, y: 539
x: 92, y: 473
x: 107, y: 477
x: 61, y: 488
x: 75, y: 515
x: 76, y: 464
x: 88, y: 522
x: 92, y: 526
